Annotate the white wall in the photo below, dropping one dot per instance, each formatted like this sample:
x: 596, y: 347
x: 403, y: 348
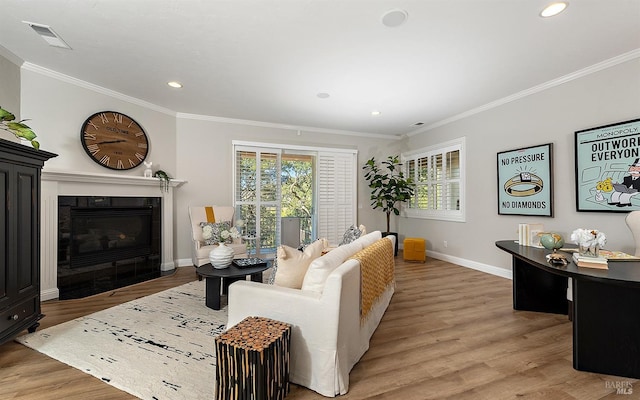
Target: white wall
x: 608, y: 96
x: 204, y: 159
x: 9, y: 84
x: 58, y: 109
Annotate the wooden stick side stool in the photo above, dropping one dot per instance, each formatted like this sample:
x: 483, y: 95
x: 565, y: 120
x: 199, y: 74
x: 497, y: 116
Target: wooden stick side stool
x: 253, y: 360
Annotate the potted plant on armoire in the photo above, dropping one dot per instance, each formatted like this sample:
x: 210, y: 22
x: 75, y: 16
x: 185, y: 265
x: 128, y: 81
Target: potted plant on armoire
x: 389, y: 188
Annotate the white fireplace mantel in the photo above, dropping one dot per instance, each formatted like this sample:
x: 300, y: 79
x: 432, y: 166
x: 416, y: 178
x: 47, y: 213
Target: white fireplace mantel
x: 70, y: 183
x: 85, y: 177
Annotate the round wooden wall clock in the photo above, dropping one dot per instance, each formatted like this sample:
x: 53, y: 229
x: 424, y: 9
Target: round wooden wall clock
x: 114, y: 140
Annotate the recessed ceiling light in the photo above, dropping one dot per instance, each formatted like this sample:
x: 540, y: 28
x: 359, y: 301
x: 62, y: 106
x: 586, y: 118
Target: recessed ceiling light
x: 394, y: 18
x: 323, y: 95
x: 375, y: 113
x: 554, y: 9
x: 175, y: 84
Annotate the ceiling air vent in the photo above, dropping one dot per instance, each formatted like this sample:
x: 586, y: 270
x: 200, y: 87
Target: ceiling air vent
x: 48, y: 35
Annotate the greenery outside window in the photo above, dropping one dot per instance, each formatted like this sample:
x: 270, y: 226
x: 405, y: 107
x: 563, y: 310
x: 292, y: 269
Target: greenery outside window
x: 286, y: 185
x: 438, y: 174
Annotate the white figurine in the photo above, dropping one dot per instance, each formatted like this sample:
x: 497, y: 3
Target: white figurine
x: 148, y: 173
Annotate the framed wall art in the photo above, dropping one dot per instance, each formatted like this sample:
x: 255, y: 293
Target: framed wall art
x: 525, y: 181
x: 608, y: 167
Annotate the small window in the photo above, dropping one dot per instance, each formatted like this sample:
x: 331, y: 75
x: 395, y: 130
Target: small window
x: 438, y: 175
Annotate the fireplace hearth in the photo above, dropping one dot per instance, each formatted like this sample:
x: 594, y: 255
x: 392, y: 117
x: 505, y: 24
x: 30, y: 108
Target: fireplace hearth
x: 107, y: 242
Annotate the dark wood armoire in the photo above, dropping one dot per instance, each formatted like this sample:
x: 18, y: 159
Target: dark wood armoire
x: 20, y: 169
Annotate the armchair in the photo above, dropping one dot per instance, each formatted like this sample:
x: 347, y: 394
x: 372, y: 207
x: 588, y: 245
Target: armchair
x: 199, y: 250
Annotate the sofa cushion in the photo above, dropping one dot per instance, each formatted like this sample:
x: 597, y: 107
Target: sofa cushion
x: 369, y: 238
x: 211, y: 231
x: 292, y: 264
x: 321, y: 267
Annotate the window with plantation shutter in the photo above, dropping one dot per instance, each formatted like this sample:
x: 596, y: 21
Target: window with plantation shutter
x: 337, y: 183
x: 258, y: 191
x: 438, y: 175
x: 257, y: 195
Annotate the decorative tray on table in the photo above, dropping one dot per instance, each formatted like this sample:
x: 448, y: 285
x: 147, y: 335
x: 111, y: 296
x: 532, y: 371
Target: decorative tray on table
x: 249, y: 262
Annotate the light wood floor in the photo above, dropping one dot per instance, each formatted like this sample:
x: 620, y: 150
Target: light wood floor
x: 449, y: 333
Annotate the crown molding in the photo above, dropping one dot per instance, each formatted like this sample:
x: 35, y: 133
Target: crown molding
x: 536, y: 89
x: 6, y: 53
x: 95, y: 88
x: 300, y: 128
x: 112, y: 93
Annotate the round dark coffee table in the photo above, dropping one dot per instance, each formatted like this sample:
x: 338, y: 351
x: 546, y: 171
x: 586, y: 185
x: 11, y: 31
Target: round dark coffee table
x: 213, y: 279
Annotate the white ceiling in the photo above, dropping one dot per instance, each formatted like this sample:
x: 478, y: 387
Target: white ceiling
x: 266, y: 60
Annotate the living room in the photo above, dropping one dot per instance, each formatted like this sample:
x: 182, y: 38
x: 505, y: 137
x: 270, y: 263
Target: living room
x: 197, y: 149
x: 600, y: 94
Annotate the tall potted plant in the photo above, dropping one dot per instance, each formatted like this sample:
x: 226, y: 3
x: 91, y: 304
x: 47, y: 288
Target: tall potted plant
x: 389, y: 187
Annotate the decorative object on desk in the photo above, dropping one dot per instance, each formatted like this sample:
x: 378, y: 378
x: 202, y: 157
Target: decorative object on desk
x: 603, y: 185
x: 525, y: 181
x: 590, y: 262
x: 551, y: 241
x: 615, y: 255
x: 556, y: 259
x: 589, y: 241
x: 164, y: 179
x: 529, y: 234
x: 18, y: 129
x: 222, y: 256
x: 148, y: 173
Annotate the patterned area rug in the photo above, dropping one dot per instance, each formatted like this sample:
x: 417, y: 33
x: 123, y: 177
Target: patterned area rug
x: 157, y: 347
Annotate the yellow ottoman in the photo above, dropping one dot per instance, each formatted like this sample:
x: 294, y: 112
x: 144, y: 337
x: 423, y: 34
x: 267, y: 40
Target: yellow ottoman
x: 414, y: 249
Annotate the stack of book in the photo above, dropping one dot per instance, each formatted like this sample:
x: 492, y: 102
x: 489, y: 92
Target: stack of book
x: 529, y: 234
x: 590, y: 262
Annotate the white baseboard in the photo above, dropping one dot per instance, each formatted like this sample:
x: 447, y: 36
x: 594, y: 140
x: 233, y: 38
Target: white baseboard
x: 49, y: 294
x: 184, y: 262
x: 167, y: 266
x: 489, y: 269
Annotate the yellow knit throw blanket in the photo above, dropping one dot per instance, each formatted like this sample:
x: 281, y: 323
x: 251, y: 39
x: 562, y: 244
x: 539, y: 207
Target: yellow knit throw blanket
x: 376, y: 273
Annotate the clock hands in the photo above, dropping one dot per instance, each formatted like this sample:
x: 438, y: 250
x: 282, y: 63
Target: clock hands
x: 112, y: 141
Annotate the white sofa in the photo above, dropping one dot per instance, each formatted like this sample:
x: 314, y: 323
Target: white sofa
x: 327, y: 337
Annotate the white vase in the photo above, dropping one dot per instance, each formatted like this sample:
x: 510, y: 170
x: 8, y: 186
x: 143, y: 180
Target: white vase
x: 221, y: 256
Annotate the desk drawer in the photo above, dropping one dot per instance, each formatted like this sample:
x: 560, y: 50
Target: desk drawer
x: 15, y: 315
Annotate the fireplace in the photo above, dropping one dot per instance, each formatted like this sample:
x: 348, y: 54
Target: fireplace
x: 107, y: 242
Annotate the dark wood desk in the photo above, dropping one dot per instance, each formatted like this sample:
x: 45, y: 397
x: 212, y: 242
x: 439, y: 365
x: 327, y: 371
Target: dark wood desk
x: 606, y: 306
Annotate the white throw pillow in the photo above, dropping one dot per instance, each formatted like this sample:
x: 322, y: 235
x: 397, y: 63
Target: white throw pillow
x: 293, y: 264
x: 321, y: 267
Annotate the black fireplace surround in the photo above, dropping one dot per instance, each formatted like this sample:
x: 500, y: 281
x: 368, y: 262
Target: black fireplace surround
x: 107, y: 242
